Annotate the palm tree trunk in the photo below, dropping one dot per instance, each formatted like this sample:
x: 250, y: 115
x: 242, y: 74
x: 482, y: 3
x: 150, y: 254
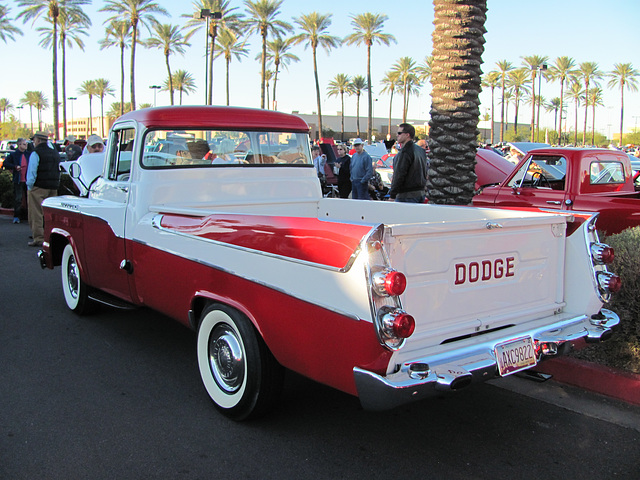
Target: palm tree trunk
x: 134, y: 40
x: 621, y: 110
x: 586, y: 111
x: 390, y: 104
x: 121, y: 79
x: 214, y: 33
x: 370, y: 96
x: 64, y: 90
x: 31, y: 116
x: 593, y: 124
x: 315, y: 74
x: 515, y: 120
x: 561, y: 110
x: 166, y: 59
x: 492, y: 112
x: 275, y: 81
x: 342, y: 116
x: 575, y: 135
x: 502, y: 114
x: 533, y: 104
x: 228, y: 60
x: 358, y: 115
x: 264, y: 67
x: 56, y: 125
x: 90, y: 119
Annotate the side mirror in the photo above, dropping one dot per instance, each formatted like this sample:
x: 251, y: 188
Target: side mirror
x: 75, y: 170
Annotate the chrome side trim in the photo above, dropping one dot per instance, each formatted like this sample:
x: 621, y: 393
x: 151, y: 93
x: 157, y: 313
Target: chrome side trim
x: 472, y: 363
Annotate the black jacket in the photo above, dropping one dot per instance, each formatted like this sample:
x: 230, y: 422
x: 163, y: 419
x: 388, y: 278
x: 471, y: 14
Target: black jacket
x: 48, y: 175
x: 409, y: 170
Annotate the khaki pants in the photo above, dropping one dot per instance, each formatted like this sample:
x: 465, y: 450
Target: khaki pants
x: 36, y: 219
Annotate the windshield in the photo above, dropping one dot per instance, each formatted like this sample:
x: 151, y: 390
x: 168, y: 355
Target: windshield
x: 541, y: 170
x: 218, y: 148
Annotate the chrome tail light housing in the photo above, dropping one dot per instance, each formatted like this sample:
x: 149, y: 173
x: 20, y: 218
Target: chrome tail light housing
x: 602, y: 255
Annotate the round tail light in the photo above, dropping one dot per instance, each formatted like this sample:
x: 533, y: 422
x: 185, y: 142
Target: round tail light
x: 389, y: 283
x: 602, y: 254
x: 609, y: 282
x: 398, y: 324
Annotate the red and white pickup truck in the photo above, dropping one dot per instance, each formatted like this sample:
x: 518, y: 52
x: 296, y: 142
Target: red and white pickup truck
x: 214, y: 216
x: 572, y: 179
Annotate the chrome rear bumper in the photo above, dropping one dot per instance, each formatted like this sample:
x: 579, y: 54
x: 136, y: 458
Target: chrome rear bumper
x: 426, y: 376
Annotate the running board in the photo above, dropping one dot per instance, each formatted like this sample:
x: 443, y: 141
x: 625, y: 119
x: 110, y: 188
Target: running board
x: 110, y: 300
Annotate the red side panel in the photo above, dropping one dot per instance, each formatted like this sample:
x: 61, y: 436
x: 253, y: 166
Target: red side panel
x: 307, y: 239
x: 306, y: 338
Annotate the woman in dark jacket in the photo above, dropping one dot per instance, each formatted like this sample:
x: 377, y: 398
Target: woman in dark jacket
x: 344, y: 175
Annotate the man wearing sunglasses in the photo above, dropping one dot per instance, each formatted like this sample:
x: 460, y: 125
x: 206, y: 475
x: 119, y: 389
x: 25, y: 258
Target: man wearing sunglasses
x: 409, y: 168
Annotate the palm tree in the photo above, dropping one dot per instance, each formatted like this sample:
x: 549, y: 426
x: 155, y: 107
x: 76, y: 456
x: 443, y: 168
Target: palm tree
x: 314, y: 28
x: 623, y: 75
x: 51, y: 11
x: 41, y: 103
x: 116, y: 109
x: 5, y: 106
x: 594, y: 96
x: 339, y: 86
x: 553, y: 106
x: 368, y: 30
x: 136, y: 12
x: 227, y: 21
x: 407, y: 79
x: 278, y: 54
x: 458, y: 44
x: 562, y: 69
x: 183, y: 82
x: 423, y: 71
x: 7, y: 30
x: 589, y: 72
x: 102, y: 88
x: 71, y: 25
x: 262, y: 20
x: 508, y: 98
x: 30, y: 98
x: 230, y: 46
x: 118, y: 34
x: 504, y: 68
x: 534, y: 63
x: 169, y: 39
x: 357, y: 86
x: 576, y: 94
x: 518, y: 81
x: 268, y: 75
x: 492, y: 80
x: 88, y: 87
x: 390, y: 83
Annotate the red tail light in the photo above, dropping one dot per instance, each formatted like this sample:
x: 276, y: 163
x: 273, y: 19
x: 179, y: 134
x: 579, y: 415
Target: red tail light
x: 390, y: 283
x: 602, y: 254
x: 398, y: 324
x: 609, y: 282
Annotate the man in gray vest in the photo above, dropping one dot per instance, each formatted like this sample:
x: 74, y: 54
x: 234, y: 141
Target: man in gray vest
x: 43, y: 180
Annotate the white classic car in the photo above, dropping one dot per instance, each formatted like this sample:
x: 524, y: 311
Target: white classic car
x: 387, y: 301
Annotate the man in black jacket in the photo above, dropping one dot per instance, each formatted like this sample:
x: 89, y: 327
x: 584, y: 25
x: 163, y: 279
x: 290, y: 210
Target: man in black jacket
x: 43, y: 180
x: 409, y: 168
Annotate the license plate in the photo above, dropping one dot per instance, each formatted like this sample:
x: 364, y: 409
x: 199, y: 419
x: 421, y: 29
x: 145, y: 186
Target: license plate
x: 515, y: 355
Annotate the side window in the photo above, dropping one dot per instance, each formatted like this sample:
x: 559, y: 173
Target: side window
x: 121, y: 154
x: 606, y: 172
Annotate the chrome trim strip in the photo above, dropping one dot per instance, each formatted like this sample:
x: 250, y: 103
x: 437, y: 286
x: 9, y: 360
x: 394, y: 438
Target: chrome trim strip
x: 155, y: 222
x: 440, y: 371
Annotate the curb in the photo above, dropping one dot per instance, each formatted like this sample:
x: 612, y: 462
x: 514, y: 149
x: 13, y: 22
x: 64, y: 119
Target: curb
x: 6, y: 211
x: 596, y: 378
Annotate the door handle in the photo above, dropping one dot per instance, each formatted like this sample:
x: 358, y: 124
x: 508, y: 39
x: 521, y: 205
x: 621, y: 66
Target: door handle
x: 553, y: 202
x: 123, y: 189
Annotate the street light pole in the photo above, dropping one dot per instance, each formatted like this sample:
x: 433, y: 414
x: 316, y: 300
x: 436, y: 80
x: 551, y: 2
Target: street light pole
x: 206, y: 14
x: 155, y: 88
x: 71, y: 99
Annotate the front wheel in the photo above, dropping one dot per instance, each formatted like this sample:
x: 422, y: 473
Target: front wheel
x: 239, y: 372
x: 75, y: 290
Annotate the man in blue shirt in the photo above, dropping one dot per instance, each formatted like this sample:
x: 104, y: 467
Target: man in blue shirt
x: 43, y: 180
x: 361, y: 172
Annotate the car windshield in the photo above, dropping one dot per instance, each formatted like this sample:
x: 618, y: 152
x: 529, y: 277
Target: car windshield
x: 218, y: 148
x: 541, y: 170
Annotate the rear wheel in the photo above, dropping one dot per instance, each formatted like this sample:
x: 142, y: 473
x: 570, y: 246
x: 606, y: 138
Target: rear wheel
x: 239, y: 372
x: 74, y: 289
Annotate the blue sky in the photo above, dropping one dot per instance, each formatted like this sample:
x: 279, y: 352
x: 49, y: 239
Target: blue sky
x: 586, y: 30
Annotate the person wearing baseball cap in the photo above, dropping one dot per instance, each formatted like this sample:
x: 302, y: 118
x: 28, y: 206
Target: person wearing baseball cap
x: 43, y: 181
x: 361, y: 172
x: 94, y: 145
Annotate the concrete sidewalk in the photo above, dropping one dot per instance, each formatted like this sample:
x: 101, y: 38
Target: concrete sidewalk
x: 589, y: 376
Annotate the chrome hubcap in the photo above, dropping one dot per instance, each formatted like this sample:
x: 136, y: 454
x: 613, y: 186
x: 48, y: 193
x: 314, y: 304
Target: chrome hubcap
x: 72, y: 277
x: 226, y: 358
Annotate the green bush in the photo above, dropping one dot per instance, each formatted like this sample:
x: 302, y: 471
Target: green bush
x: 6, y: 189
x: 623, y: 350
